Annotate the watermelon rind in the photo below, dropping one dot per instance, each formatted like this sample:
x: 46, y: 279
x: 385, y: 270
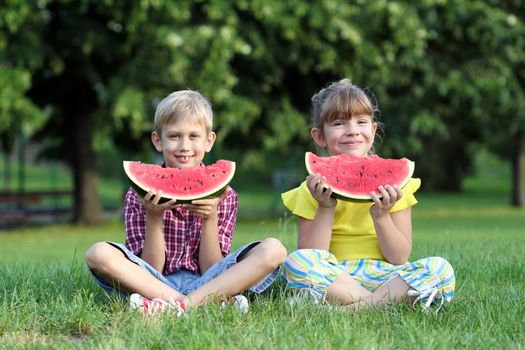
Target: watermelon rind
x: 351, y: 197
x: 142, y: 189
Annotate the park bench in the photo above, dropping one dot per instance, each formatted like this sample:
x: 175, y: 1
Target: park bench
x: 17, y: 208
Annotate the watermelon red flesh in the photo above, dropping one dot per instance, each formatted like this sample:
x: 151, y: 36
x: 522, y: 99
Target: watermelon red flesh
x: 354, y: 178
x: 184, y: 185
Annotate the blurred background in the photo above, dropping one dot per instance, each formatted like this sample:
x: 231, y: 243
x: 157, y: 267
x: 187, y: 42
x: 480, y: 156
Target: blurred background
x: 80, y: 80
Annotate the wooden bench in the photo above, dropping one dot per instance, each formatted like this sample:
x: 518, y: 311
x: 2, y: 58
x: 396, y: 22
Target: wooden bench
x: 30, y: 197
x: 16, y: 208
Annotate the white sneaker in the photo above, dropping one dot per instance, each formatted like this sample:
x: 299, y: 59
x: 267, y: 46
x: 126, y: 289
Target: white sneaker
x: 428, y: 297
x: 156, y: 305
x: 239, y: 303
x: 306, y: 295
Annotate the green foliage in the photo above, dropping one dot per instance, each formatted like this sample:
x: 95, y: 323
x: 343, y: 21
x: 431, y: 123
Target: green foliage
x: 446, y: 74
x: 18, y: 113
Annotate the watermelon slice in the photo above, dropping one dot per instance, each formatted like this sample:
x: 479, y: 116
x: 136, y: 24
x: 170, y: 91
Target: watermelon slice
x: 184, y: 185
x: 353, y: 178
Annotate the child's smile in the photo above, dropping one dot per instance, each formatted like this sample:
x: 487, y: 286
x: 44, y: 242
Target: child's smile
x: 184, y: 159
x: 354, y: 136
x: 183, y: 143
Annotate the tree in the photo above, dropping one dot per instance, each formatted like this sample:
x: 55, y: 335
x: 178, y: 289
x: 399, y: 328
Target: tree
x: 476, y: 85
x: 19, y: 116
x: 444, y: 74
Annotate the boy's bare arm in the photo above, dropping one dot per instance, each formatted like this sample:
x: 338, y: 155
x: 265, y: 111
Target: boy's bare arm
x: 209, y: 248
x: 154, y: 252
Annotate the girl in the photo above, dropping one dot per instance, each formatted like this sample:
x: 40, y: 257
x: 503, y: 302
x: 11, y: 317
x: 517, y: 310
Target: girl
x: 356, y: 253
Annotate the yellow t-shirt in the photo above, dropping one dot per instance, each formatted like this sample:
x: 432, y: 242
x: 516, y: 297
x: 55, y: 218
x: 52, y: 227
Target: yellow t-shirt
x: 353, y: 233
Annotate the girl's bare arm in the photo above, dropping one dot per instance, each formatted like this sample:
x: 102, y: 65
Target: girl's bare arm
x: 317, y: 233
x: 394, y: 230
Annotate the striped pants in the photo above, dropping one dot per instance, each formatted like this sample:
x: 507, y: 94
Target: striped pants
x: 317, y: 269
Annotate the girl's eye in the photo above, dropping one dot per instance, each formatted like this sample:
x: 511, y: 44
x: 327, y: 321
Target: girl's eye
x: 363, y: 121
x: 337, y: 123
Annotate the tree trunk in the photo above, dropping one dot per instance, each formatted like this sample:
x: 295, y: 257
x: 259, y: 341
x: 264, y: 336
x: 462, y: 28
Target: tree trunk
x: 7, y: 147
x: 518, y: 172
x: 7, y: 172
x: 87, y: 207
x: 443, y: 165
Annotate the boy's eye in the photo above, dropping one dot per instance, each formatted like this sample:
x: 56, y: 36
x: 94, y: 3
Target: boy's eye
x: 194, y: 136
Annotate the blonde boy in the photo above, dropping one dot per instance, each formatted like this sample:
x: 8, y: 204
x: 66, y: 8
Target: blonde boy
x: 176, y: 256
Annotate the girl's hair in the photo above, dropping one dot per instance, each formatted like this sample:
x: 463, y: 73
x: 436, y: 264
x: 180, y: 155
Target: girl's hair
x: 183, y: 104
x: 341, y: 100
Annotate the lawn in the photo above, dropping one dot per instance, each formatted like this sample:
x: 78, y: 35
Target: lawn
x: 47, y: 299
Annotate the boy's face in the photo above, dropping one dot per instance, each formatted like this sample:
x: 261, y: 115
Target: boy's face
x: 183, y: 143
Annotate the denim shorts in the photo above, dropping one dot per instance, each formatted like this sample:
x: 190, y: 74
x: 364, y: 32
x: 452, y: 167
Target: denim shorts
x: 185, y: 281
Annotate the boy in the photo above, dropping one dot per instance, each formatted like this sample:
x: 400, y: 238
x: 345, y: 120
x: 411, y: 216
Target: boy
x: 176, y: 255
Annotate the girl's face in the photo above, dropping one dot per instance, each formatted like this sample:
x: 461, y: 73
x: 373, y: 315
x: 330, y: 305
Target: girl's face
x: 354, y: 136
x: 183, y: 143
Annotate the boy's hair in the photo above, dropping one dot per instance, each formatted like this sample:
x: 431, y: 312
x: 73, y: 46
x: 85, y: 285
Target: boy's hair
x: 183, y: 104
x: 344, y: 100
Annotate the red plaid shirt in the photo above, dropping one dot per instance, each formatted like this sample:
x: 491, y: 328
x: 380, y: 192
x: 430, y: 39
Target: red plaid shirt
x: 182, y: 231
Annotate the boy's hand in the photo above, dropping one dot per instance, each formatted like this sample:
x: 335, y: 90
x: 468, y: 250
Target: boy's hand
x: 206, y: 208
x: 382, y: 206
x: 322, y: 193
x: 151, y: 203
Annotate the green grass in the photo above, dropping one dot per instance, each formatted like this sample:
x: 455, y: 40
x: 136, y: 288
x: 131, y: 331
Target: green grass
x: 48, y: 300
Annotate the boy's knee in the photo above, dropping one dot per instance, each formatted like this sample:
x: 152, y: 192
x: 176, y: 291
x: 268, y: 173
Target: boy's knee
x: 98, y: 254
x: 272, y: 251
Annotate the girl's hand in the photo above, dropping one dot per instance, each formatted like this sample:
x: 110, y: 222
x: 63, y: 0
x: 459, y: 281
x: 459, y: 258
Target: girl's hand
x: 382, y: 206
x: 322, y: 193
x: 206, y: 208
x: 151, y: 203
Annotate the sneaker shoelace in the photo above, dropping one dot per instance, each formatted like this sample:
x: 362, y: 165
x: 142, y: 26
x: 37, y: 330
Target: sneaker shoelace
x: 428, y: 296
x: 156, y: 305
x: 307, y: 295
x: 239, y: 303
